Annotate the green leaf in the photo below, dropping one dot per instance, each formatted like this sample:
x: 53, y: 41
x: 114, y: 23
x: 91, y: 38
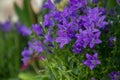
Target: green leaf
x: 26, y: 15
x: 111, y: 4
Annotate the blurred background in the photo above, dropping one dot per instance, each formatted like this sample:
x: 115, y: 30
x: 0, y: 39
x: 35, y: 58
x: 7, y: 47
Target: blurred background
x: 15, y: 14
x: 12, y: 42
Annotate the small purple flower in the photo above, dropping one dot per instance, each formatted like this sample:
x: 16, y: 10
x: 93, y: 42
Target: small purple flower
x: 25, y: 31
x: 77, y: 48
x: 48, y: 37
x: 63, y: 38
x: 26, y: 54
x: 92, y: 61
x: 48, y: 4
x: 38, y: 29
x: 94, y: 39
x: 76, y: 4
x: 25, y: 60
x: 48, y: 21
x: 101, y: 23
x: 36, y: 46
x: 115, y: 75
x: 112, y: 39
x: 6, y: 26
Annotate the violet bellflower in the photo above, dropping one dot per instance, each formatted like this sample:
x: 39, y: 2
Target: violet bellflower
x: 77, y: 4
x: 95, y: 15
x: 48, y: 37
x: 115, y: 75
x: 6, y: 26
x: 38, y: 29
x: 63, y: 38
x: 92, y: 61
x: 25, y: 31
x: 36, y: 46
x: 48, y: 21
x: 87, y: 37
x: 49, y: 5
x: 94, y: 39
x: 26, y: 54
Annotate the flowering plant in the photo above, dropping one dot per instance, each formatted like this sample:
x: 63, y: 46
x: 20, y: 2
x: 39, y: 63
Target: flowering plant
x: 74, y: 43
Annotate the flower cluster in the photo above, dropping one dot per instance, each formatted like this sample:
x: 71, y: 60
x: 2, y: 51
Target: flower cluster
x: 77, y: 23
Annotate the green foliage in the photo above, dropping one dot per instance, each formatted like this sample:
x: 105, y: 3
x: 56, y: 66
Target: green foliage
x: 25, y: 14
x: 111, y: 4
x: 11, y: 45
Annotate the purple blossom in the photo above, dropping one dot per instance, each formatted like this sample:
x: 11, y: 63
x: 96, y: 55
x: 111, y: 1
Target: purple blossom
x: 92, y: 61
x: 48, y: 37
x: 25, y: 31
x: 95, y: 16
x: 48, y: 4
x: 112, y: 39
x: 101, y: 23
x: 26, y: 54
x: 63, y: 39
x: 115, y: 75
x: 36, y: 46
x: 95, y: 39
x: 77, y: 48
x: 48, y: 21
x: 118, y: 1
x: 88, y: 37
x: 6, y: 26
x: 25, y: 60
x: 76, y: 4
x: 38, y: 29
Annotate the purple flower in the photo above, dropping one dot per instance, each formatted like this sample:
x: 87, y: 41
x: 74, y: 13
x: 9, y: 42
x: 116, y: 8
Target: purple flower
x: 25, y: 31
x: 95, y: 16
x: 6, y: 26
x: 48, y: 4
x: 101, y: 23
x: 88, y: 37
x: 76, y: 4
x: 48, y: 37
x: 62, y: 39
x: 92, y: 61
x: 112, y: 39
x: 38, y: 29
x: 26, y: 54
x: 25, y: 60
x: 36, y: 46
x: 77, y: 48
x: 118, y: 1
x: 115, y: 75
x: 94, y: 39
x: 48, y: 21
